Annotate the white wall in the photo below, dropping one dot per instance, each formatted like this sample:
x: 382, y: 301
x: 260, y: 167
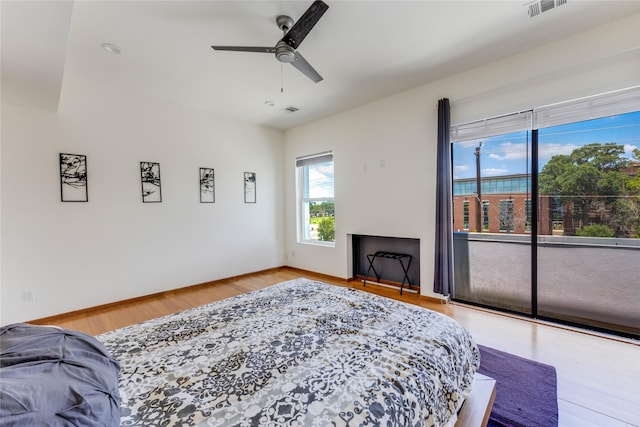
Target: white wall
x: 385, y: 151
x: 77, y: 255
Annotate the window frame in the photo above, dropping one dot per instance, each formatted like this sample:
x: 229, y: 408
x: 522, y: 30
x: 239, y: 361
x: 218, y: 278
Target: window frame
x: 303, y: 215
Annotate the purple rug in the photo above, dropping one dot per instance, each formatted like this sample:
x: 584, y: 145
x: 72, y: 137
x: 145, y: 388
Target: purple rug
x: 526, y: 390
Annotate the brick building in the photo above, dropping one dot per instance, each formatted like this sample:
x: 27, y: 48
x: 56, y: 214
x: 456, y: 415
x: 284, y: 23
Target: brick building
x: 505, y: 206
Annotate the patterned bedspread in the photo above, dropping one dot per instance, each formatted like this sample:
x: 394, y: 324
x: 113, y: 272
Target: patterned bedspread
x: 299, y: 353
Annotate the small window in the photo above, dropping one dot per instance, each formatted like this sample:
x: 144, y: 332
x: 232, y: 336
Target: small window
x: 506, y: 216
x: 528, y: 215
x: 316, y: 208
x: 485, y: 215
x: 465, y: 214
x: 557, y: 213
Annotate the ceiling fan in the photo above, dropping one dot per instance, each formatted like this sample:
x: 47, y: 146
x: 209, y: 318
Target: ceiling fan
x: 294, y: 34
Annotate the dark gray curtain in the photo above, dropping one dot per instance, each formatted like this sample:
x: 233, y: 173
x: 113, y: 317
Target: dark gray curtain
x: 443, y: 277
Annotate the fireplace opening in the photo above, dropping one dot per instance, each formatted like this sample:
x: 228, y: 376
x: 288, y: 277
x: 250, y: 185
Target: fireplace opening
x: 391, y: 270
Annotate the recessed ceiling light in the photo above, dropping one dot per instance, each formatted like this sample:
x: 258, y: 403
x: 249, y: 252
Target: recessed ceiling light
x: 111, y: 48
x: 269, y: 103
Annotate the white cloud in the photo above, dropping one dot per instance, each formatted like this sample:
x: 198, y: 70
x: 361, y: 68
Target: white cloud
x: 509, y: 151
x: 461, y: 168
x: 628, y: 150
x: 321, y: 182
x: 509, y: 156
x: 494, y: 171
x: 315, y: 174
x: 547, y: 151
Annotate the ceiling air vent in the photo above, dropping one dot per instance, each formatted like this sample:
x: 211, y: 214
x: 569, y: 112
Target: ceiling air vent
x: 291, y: 109
x: 537, y: 7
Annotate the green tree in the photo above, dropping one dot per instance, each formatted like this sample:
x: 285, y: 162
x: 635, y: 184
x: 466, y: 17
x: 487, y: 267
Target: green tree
x: 633, y: 184
x: 328, y: 208
x: 315, y: 209
x: 326, y: 229
x: 591, y: 178
x: 321, y: 209
x: 626, y: 216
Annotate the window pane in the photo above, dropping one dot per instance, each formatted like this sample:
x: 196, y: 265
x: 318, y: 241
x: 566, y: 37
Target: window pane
x: 589, y: 226
x: 320, y: 178
x: 493, y: 261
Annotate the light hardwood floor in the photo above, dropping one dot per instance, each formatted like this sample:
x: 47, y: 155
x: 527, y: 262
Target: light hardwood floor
x: 598, y: 376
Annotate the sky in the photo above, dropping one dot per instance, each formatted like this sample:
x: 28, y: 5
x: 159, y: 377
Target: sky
x: 321, y: 179
x: 508, y: 154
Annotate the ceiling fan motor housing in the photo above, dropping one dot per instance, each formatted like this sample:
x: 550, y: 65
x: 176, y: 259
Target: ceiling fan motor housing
x: 284, y: 52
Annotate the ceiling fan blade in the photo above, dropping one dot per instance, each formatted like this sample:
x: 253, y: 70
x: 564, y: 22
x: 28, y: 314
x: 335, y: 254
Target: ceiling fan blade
x: 307, y: 21
x: 301, y: 64
x: 246, y: 49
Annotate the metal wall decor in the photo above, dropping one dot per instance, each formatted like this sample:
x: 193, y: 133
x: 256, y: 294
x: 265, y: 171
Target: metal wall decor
x: 73, y: 178
x: 207, y: 185
x: 249, y: 187
x: 150, y: 178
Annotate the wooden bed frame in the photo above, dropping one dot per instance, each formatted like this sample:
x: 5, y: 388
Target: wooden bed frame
x: 476, y: 408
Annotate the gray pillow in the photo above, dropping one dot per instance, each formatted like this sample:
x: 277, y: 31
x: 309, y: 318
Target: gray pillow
x: 56, y: 377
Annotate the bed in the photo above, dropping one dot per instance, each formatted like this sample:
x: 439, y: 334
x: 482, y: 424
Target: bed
x: 298, y: 353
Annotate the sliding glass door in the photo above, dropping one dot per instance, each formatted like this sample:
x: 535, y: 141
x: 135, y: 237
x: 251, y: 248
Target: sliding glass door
x: 547, y: 216
x: 492, y: 213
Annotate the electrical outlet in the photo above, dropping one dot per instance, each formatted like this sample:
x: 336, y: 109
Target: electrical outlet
x: 28, y: 296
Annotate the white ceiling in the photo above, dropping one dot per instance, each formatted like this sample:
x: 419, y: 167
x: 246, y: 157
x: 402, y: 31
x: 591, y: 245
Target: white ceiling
x: 364, y: 49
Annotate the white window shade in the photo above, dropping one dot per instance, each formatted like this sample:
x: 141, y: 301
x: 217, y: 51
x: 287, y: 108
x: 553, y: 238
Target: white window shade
x: 588, y: 108
x: 500, y: 125
x: 314, y: 159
